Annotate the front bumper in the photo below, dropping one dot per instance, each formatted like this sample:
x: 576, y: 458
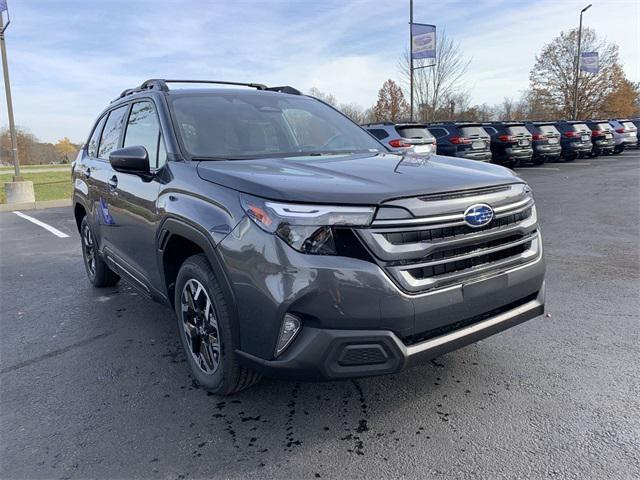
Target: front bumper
x: 345, y: 301
x: 326, y: 354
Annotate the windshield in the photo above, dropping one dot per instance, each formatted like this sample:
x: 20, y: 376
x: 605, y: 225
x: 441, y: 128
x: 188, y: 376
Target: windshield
x: 477, y: 132
x: 548, y: 129
x: 414, y: 132
x: 518, y: 130
x: 239, y: 125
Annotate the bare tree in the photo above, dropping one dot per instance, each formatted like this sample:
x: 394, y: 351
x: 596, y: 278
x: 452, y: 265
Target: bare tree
x: 325, y: 97
x: 553, y: 75
x: 354, y: 111
x: 435, y: 86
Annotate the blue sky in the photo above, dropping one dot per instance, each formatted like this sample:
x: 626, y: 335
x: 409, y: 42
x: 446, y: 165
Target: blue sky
x: 68, y: 59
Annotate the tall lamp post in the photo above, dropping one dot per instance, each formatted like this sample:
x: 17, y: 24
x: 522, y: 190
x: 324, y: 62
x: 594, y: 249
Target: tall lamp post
x: 575, y: 87
x: 17, y: 191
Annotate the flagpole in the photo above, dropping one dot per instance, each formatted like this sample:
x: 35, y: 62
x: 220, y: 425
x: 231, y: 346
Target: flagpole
x: 410, y: 61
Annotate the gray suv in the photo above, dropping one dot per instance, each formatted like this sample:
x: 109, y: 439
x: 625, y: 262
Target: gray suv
x: 290, y: 242
x: 404, y: 137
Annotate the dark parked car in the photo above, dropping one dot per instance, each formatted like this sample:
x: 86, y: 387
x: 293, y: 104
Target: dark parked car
x: 464, y: 140
x: 601, y: 137
x: 404, y: 137
x: 288, y: 241
x: 575, y: 139
x: 545, y: 139
x: 510, y: 143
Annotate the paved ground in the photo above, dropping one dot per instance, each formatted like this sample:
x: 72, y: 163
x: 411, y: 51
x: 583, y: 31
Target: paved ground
x: 93, y: 384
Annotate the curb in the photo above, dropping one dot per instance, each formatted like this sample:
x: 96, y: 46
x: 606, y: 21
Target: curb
x: 37, y: 205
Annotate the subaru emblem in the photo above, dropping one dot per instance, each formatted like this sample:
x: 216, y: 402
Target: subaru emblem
x: 478, y: 215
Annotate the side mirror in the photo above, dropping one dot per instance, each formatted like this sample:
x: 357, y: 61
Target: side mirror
x: 134, y: 160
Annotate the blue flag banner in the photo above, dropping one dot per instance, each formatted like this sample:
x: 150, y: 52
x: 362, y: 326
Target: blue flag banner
x: 423, y: 41
x: 589, y: 62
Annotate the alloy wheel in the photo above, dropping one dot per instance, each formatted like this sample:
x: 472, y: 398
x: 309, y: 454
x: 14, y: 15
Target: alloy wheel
x: 200, y: 326
x: 89, y: 250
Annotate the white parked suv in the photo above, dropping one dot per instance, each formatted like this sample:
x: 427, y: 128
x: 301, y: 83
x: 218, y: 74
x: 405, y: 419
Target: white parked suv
x: 625, y: 133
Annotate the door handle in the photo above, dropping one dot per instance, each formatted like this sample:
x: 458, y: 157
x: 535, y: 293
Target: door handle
x: 87, y: 172
x: 113, y: 182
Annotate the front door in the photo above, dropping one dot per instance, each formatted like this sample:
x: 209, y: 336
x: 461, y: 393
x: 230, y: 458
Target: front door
x: 133, y: 199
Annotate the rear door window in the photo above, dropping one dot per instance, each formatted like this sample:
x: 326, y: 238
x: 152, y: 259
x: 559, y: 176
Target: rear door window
x: 474, y: 132
x: 629, y: 126
x: 605, y: 127
x: 92, y: 146
x: 581, y: 127
x: 111, y: 134
x: 414, y: 132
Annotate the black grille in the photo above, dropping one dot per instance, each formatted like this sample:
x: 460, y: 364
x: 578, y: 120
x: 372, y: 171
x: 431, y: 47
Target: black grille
x: 415, y: 236
x: 362, y: 355
x: 458, y: 265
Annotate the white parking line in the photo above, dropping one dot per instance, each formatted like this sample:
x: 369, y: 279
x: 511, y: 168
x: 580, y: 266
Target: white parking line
x: 53, y: 230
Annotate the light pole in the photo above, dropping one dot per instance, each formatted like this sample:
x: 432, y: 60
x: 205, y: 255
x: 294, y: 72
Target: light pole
x: 575, y: 87
x: 17, y: 191
x: 411, y: 60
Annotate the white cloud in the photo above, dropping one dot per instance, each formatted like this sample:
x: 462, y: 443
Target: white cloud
x: 64, y: 78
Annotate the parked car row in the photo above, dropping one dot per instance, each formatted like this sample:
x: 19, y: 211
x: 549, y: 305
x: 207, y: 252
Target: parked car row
x: 511, y: 143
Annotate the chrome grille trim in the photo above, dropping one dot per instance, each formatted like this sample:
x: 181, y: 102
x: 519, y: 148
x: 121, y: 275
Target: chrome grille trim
x: 454, y: 219
x: 438, y: 249
x: 411, y: 283
x: 475, y: 253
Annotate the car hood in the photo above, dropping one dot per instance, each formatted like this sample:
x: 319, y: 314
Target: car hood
x: 363, y: 179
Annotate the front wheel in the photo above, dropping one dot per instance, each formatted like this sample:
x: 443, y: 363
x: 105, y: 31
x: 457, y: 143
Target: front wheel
x: 205, y: 330
x: 99, y: 273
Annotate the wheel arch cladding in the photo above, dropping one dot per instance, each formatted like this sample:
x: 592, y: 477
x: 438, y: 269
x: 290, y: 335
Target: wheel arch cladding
x: 177, y: 241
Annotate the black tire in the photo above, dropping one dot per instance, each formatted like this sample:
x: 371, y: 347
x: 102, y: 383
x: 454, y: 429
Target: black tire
x: 225, y: 375
x: 99, y: 273
x: 538, y: 160
x: 570, y: 158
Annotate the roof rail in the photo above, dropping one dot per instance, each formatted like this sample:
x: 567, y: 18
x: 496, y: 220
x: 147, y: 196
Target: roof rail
x: 285, y: 89
x: 161, y: 84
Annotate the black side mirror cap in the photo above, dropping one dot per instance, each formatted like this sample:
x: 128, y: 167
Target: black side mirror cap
x: 134, y: 160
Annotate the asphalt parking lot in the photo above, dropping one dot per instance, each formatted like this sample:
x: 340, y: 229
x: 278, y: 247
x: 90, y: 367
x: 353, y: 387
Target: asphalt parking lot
x: 93, y: 383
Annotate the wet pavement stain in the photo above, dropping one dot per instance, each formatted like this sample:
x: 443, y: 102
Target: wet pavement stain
x: 290, y: 440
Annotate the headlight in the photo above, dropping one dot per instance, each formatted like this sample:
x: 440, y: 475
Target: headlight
x: 307, y: 228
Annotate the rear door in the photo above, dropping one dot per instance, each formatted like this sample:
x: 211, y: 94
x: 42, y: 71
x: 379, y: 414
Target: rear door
x: 101, y: 172
x: 134, y: 198
x: 551, y: 132
x: 521, y: 136
x: 477, y: 135
x: 421, y: 139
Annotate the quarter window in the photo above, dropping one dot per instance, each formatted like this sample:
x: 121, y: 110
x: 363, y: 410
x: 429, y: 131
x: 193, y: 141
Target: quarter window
x: 111, y: 133
x: 143, y: 129
x: 438, y: 132
x: 379, y: 133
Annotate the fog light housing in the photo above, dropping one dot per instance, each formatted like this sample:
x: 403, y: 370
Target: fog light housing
x: 291, y: 326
